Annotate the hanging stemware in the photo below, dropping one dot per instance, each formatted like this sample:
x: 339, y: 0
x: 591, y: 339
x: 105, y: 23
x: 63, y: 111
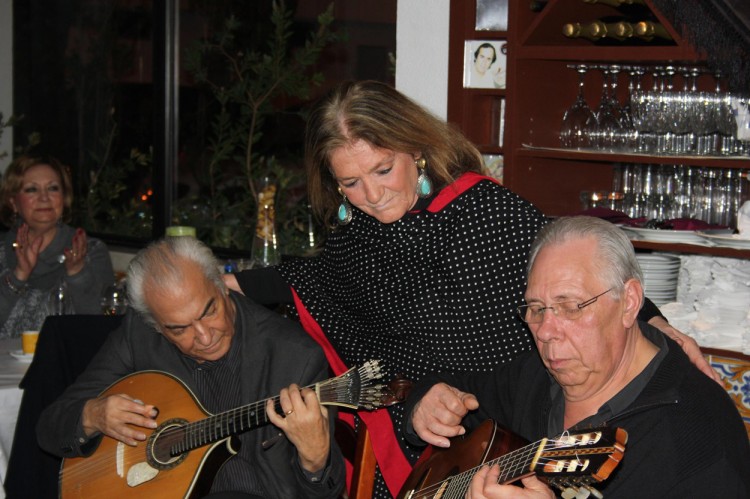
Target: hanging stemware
x: 609, y: 130
x: 573, y: 128
x: 628, y: 118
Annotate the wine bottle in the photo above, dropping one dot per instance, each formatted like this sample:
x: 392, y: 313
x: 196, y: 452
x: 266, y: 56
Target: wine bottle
x: 593, y: 31
x: 596, y: 30
x: 572, y: 30
x: 648, y: 30
x: 620, y: 31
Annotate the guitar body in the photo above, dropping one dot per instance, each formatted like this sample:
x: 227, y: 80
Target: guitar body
x: 182, y: 455
x: 484, y: 443
x: 117, y: 470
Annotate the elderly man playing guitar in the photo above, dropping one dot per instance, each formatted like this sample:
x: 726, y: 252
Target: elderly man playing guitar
x: 198, y: 346
x: 595, y: 366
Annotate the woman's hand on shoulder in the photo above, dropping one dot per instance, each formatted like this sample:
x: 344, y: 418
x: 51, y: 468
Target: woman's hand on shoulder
x: 75, y: 256
x: 688, y: 344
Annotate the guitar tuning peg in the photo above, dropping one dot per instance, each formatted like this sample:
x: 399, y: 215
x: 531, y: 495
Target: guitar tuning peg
x: 575, y: 493
x: 568, y: 493
x: 595, y: 492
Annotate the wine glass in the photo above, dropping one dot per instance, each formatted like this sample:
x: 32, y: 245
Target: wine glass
x: 59, y: 301
x: 609, y: 130
x: 628, y: 119
x: 726, y: 123
x: 573, y: 128
x: 114, y: 300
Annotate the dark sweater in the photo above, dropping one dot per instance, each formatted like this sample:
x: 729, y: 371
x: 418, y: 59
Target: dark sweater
x: 686, y: 438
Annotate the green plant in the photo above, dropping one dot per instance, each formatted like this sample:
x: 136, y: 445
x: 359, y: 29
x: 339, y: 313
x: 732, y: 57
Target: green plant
x: 247, y: 90
x: 32, y: 140
x: 4, y: 125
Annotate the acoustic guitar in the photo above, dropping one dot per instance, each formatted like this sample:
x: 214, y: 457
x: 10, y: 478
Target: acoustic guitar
x: 181, y: 456
x: 572, y: 462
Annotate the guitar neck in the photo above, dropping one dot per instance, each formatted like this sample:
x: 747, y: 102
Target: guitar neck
x: 352, y: 389
x: 520, y: 462
x: 220, y: 426
x: 578, y: 458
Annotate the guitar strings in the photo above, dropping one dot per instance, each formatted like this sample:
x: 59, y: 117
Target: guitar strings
x: 513, y: 465
x: 332, y: 390
x: 200, y: 431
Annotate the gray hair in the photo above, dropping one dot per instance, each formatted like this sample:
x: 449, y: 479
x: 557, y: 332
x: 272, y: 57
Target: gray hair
x: 161, y: 265
x: 615, y: 263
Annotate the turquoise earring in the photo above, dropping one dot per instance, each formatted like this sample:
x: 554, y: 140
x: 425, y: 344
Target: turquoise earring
x: 344, y: 214
x: 424, y: 184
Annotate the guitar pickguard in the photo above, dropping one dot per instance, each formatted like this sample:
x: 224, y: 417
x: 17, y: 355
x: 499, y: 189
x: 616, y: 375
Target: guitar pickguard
x: 140, y: 473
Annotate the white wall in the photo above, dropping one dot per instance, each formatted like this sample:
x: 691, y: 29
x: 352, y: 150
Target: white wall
x: 422, y: 52
x: 6, y: 80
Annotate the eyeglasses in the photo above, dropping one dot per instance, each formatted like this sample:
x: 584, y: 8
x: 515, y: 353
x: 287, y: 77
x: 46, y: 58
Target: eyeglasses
x: 570, y: 310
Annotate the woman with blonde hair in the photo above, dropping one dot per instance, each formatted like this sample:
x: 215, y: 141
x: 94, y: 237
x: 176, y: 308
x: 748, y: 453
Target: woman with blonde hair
x: 426, y: 263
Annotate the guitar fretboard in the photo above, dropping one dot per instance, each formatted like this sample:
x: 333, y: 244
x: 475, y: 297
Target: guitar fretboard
x: 353, y: 389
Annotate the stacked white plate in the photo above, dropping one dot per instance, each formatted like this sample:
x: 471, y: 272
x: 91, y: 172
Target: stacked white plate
x: 660, y: 276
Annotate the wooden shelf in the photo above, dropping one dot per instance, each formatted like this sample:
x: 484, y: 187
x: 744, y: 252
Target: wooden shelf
x: 692, y: 249
x: 540, y: 87
x: 606, y: 54
x: 625, y: 157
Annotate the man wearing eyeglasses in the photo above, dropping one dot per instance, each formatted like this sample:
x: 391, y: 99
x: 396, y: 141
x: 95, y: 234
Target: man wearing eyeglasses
x: 595, y: 365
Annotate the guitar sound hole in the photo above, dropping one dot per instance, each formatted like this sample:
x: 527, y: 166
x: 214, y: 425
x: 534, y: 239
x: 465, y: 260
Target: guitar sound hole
x: 167, y: 436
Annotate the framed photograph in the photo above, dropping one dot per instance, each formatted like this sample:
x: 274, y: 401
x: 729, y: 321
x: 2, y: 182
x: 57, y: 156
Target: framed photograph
x: 485, y: 63
x: 492, y: 15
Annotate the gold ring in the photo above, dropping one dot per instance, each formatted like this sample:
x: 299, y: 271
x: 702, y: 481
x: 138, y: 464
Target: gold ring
x: 73, y: 254
x: 289, y: 411
x: 17, y: 245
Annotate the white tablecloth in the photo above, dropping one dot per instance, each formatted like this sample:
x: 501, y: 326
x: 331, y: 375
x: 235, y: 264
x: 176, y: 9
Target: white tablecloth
x: 11, y: 372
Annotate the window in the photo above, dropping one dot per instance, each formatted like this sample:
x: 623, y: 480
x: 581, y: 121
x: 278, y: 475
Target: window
x: 148, y: 103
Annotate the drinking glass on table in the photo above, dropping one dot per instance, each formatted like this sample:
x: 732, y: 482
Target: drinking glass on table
x: 59, y: 301
x: 114, y: 300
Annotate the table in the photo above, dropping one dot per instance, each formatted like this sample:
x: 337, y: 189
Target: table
x: 11, y: 373
x: 66, y: 344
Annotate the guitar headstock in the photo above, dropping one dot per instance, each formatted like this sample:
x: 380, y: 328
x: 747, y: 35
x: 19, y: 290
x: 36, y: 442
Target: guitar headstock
x: 360, y: 388
x: 575, y: 460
